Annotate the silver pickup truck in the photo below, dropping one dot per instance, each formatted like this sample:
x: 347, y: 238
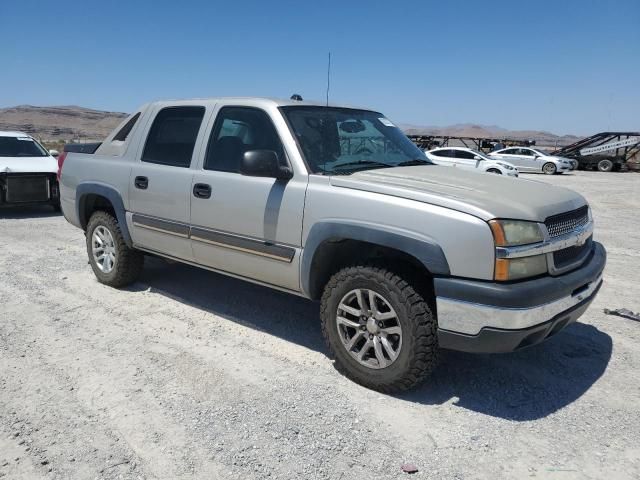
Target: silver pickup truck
x: 337, y: 205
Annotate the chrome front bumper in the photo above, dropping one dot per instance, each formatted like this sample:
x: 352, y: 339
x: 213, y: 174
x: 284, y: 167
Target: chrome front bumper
x: 495, y: 317
x: 469, y: 318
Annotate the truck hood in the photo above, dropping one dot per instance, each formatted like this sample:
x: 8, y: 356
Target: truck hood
x: 479, y: 194
x: 28, y: 165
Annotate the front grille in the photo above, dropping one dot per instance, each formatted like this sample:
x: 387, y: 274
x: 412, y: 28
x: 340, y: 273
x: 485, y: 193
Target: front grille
x: 567, y: 256
x: 567, y: 222
x: 27, y: 188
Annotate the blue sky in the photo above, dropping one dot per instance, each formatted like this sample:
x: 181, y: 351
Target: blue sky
x: 562, y: 66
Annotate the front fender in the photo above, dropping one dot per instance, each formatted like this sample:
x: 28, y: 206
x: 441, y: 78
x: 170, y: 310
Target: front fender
x: 423, y: 248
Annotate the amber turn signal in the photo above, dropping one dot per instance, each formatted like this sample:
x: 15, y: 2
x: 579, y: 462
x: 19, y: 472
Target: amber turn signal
x: 502, y: 269
x: 498, y: 233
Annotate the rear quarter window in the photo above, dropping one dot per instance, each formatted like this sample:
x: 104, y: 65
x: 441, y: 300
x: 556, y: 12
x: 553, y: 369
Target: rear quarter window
x: 124, y: 132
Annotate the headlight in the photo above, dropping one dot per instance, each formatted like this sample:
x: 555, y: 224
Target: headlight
x: 504, y: 165
x: 509, y: 233
x: 517, y: 268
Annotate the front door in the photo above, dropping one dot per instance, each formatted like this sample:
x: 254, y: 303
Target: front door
x: 466, y: 160
x: 529, y: 158
x: 160, y: 182
x: 246, y: 226
x: 512, y: 155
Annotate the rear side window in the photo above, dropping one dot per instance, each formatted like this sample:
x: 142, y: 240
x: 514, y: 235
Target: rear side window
x: 464, y: 155
x: 172, y: 136
x: 443, y: 153
x: 124, y: 132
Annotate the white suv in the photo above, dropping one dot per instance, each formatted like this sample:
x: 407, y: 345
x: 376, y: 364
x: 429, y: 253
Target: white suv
x: 469, y: 159
x: 533, y: 161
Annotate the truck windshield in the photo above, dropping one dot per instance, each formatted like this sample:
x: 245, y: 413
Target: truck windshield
x: 21, y: 147
x: 340, y: 141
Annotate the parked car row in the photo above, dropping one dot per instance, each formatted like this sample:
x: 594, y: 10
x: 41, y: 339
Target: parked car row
x: 469, y: 159
x: 506, y: 161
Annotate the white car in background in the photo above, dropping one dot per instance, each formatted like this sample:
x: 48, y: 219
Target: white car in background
x: 534, y: 161
x: 468, y: 159
x: 28, y: 172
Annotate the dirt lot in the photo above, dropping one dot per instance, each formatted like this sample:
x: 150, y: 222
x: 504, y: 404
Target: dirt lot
x: 189, y: 374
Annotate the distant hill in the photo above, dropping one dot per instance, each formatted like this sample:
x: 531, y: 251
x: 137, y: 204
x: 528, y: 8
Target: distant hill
x: 72, y: 123
x: 63, y: 123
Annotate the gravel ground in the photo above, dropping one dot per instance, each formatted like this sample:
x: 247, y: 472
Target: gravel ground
x: 189, y: 374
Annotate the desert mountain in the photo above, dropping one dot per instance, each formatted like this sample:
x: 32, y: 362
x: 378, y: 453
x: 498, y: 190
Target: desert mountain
x: 64, y: 123
x: 71, y: 123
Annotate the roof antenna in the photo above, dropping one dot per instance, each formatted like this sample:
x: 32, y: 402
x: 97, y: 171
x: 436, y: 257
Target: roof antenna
x: 328, y: 78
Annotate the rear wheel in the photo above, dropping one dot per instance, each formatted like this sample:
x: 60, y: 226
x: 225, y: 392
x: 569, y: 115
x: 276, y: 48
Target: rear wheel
x: 605, y: 165
x: 112, y: 261
x: 549, y: 168
x: 380, y: 331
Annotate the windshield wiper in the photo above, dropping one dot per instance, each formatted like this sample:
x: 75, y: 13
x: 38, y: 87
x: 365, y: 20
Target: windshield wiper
x: 417, y: 161
x: 356, y: 166
x: 362, y: 162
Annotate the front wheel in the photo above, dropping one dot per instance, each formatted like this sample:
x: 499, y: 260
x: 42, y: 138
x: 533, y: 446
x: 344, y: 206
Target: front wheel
x: 549, y: 168
x: 494, y: 170
x: 112, y: 261
x: 380, y: 331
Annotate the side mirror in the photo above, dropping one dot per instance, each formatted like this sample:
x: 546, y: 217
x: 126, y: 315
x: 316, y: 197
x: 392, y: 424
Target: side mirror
x: 263, y: 163
x: 535, y: 157
x: 476, y: 157
x: 54, y: 153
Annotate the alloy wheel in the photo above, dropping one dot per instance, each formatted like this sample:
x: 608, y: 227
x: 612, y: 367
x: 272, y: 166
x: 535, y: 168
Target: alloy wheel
x: 369, y: 328
x: 103, y: 249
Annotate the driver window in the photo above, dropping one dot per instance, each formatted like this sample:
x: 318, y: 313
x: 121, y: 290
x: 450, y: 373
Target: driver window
x: 237, y: 130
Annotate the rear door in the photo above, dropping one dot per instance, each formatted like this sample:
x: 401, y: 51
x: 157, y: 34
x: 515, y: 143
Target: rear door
x: 243, y: 225
x: 444, y: 157
x: 160, y: 182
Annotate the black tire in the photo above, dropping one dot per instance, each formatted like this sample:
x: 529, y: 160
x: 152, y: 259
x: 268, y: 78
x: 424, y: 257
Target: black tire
x: 418, y: 354
x: 605, y: 165
x: 549, y: 168
x: 493, y: 170
x: 128, y: 261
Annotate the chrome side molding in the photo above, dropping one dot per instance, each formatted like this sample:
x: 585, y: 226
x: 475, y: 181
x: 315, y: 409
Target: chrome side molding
x: 263, y: 248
